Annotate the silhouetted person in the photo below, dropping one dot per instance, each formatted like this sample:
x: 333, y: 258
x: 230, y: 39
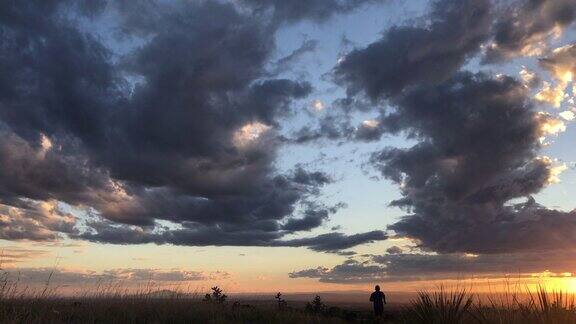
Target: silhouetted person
x: 379, y: 299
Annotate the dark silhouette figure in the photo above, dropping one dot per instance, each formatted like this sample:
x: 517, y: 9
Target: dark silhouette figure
x: 379, y: 299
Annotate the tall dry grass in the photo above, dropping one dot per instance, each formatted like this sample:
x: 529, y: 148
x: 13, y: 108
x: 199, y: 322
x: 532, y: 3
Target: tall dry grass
x: 510, y: 307
x: 111, y: 302
x: 441, y: 306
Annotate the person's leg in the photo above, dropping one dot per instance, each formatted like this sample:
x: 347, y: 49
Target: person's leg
x: 378, y: 310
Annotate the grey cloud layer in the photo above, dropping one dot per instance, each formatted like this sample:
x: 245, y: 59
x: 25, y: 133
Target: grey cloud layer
x: 414, y: 267
x: 39, y: 276
x: 478, y: 142
x: 182, y: 128
x: 175, y: 141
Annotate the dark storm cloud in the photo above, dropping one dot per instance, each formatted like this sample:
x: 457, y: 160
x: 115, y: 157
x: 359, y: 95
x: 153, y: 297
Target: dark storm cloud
x: 310, y: 178
x: 525, y: 26
x: 313, y: 216
x: 336, y: 241
x: 263, y: 234
x: 53, y: 78
x: 293, y: 11
x: 408, y: 55
x: 478, y: 144
x: 311, y: 219
x: 181, y: 128
x: 405, y: 56
x: 478, y: 137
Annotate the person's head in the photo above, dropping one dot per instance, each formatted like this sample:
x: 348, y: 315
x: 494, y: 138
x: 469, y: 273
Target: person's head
x: 377, y: 288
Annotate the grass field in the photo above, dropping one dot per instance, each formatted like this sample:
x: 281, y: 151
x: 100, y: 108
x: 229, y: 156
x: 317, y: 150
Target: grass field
x: 435, y: 307
x: 114, y: 305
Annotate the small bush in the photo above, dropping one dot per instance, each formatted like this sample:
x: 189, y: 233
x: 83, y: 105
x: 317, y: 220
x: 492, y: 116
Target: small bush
x: 316, y: 306
x: 216, y: 297
x: 282, y: 304
x: 439, y: 307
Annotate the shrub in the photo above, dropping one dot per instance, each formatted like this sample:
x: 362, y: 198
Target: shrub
x: 217, y: 296
x: 439, y: 307
x: 282, y: 304
x: 316, y: 306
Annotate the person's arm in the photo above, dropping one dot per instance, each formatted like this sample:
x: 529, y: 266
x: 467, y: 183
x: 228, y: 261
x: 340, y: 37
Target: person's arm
x: 384, y: 298
x: 372, y: 297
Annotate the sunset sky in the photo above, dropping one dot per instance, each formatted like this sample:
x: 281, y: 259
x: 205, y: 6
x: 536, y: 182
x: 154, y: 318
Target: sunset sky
x: 271, y: 145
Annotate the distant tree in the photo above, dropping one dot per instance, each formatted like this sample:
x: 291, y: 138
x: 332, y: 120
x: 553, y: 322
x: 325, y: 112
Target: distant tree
x: 282, y: 304
x: 316, y: 306
x: 217, y: 296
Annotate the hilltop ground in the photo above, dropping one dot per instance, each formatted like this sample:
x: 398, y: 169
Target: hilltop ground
x: 441, y: 306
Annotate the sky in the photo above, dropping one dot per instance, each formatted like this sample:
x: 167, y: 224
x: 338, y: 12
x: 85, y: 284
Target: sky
x: 269, y: 145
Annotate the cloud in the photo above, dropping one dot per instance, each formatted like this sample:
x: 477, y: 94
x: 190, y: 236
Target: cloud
x: 350, y: 271
x: 335, y: 241
x: 394, y: 250
x: 259, y: 234
x: 524, y: 27
x: 567, y: 115
x: 312, y: 219
x: 560, y: 64
x: 304, y: 177
x: 553, y: 95
x: 127, y: 276
x: 285, y: 63
x: 172, y: 140
x: 334, y: 125
x: 408, y: 55
x: 316, y: 10
x: 38, y: 221
x: 10, y: 255
x: 478, y: 142
x: 443, y: 266
x: 395, y: 267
